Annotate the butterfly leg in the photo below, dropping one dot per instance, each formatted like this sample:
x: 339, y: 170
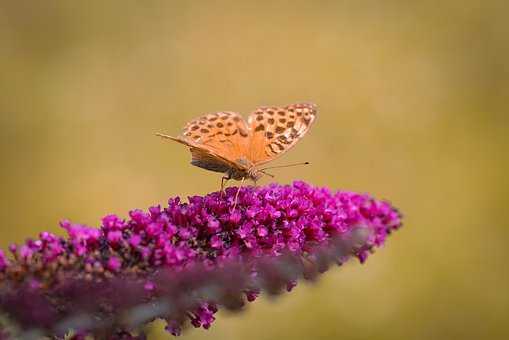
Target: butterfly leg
x: 224, y: 179
x: 238, y: 191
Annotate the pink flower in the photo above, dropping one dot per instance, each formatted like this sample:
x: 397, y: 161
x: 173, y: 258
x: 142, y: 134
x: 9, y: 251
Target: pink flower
x: 185, y: 260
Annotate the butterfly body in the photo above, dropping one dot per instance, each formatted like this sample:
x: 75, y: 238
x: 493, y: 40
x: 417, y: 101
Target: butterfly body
x: 224, y: 142
x: 248, y: 170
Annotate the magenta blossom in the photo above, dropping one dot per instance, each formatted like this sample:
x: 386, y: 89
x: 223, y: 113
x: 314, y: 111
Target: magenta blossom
x: 185, y: 260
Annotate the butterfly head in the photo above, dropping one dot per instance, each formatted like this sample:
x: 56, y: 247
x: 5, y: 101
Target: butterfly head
x: 246, y: 169
x: 254, y: 174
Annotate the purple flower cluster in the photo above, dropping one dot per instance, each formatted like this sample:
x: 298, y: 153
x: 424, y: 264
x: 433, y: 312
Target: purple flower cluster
x: 207, y: 232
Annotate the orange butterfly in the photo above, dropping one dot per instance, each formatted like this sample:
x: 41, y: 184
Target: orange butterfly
x: 225, y: 142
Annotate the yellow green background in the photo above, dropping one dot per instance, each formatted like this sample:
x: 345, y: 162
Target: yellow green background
x: 413, y: 108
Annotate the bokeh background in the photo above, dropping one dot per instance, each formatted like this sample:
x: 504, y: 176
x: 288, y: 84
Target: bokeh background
x: 413, y: 108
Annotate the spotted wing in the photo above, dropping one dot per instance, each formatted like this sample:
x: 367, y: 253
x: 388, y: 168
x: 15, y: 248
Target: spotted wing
x: 216, y: 140
x: 275, y: 130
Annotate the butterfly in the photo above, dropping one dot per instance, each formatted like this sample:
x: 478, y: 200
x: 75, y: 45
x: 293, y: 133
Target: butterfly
x: 224, y: 142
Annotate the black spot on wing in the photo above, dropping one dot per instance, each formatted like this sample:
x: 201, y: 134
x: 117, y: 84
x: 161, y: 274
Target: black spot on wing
x: 272, y: 149
x: 280, y: 129
x: 279, y: 146
x: 284, y: 140
x: 260, y: 128
x: 232, y: 133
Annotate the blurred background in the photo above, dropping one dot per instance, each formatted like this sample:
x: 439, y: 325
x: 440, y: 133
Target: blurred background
x: 413, y: 108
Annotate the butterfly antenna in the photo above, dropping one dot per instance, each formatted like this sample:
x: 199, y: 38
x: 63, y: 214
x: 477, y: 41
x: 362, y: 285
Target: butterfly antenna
x: 266, y: 173
x: 284, y: 166
x: 164, y: 136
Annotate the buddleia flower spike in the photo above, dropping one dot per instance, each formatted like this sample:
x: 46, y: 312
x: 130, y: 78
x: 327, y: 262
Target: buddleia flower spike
x: 184, y: 261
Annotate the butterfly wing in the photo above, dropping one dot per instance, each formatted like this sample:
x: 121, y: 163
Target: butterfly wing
x: 216, y: 141
x: 203, y: 158
x: 275, y: 130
